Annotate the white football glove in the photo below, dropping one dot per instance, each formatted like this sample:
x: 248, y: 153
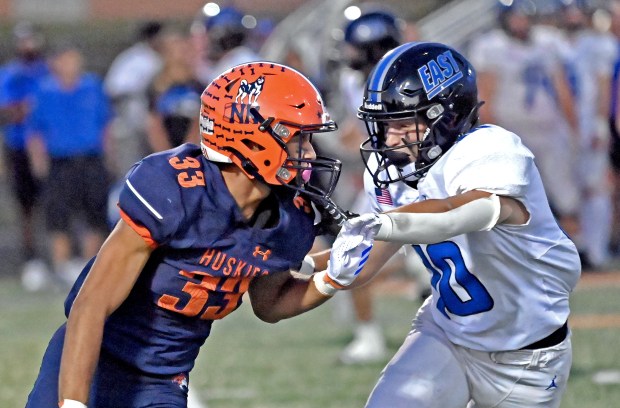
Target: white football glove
x: 349, y: 253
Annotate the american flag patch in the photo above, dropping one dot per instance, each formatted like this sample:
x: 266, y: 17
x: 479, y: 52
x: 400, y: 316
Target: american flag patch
x: 383, y: 196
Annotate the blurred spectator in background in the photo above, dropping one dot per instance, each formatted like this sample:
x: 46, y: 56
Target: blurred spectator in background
x: 614, y: 125
x: 366, y: 39
x: 590, y: 58
x: 522, y: 79
x: 18, y: 83
x: 126, y: 83
x: 174, y: 96
x: 226, y: 42
x: 66, y: 136
x: 260, y: 33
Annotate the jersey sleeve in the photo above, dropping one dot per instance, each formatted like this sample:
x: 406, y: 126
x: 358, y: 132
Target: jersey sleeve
x: 490, y: 159
x: 150, y: 201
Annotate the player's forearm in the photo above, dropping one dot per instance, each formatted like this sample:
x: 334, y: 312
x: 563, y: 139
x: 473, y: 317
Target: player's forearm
x: 297, y: 296
x: 280, y: 296
x: 80, y: 352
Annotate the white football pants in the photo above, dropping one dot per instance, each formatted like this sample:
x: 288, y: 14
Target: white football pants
x: 429, y: 371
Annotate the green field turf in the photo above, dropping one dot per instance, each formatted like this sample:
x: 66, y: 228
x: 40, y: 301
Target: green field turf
x: 248, y: 363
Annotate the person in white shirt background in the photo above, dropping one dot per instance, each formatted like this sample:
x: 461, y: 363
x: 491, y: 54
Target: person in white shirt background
x: 521, y: 75
x: 590, y: 55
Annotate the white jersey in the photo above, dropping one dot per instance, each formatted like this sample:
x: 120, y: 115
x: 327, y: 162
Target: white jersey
x: 525, y: 102
x: 508, y: 287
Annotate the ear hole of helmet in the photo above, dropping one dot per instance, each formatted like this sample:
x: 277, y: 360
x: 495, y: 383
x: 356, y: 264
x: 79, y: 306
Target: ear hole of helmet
x: 252, y: 145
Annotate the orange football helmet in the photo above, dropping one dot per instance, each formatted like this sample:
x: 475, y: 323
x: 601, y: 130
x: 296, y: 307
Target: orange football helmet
x: 249, y: 114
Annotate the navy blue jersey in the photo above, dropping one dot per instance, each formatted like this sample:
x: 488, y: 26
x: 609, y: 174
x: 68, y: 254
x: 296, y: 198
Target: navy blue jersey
x: 206, y: 254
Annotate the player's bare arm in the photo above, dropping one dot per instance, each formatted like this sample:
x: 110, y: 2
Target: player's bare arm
x: 280, y: 296
x: 113, y: 274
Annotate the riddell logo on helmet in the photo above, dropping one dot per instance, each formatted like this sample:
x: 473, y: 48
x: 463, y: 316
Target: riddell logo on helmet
x: 373, y: 106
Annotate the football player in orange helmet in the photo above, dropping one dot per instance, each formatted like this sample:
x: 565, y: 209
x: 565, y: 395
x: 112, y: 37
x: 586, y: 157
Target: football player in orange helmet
x: 201, y: 226
x: 249, y: 116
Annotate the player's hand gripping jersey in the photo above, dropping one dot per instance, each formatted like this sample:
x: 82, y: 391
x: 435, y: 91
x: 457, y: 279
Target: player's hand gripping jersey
x: 206, y: 255
x: 481, y: 280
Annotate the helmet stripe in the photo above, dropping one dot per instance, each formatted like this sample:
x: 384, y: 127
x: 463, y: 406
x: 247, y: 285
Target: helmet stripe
x: 378, y: 75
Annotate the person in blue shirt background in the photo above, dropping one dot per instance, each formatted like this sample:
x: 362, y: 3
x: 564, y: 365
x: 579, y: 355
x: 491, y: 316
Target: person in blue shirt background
x: 66, y: 138
x: 17, y: 84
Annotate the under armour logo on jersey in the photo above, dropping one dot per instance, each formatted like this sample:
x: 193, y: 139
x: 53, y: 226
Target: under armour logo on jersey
x: 553, y: 384
x: 439, y: 73
x: 181, y: 381
x: 265, y: 254
x: 302, y: 204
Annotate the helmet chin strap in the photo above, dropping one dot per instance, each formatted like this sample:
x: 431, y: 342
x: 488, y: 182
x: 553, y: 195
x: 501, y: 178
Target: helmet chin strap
x: 402, y: 161
x: 398, y: 159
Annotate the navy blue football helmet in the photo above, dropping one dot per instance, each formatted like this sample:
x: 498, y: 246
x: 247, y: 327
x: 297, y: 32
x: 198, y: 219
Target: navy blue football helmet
x: 421, y: 83
x: 371, y: 35
x: 225, y: 31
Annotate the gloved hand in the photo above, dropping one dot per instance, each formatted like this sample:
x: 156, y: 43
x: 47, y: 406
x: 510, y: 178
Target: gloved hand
x: 349, y: 253
x: 332, y: 217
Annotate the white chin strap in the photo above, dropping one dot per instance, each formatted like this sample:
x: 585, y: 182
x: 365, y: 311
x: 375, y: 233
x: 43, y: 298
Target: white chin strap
x: 213, y: 155
x: 428, y: 228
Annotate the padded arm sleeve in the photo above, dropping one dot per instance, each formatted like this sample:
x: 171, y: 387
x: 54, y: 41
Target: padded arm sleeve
x: 428, y: 228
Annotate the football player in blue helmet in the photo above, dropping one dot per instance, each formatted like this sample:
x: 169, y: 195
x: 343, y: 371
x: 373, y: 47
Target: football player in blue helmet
x: 490, y: 334
x: 434, y: 105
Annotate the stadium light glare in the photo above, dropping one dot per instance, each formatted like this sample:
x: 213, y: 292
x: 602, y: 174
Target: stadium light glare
x: 249, y: 22
x: 211, y: 9
x: 352, y: 13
